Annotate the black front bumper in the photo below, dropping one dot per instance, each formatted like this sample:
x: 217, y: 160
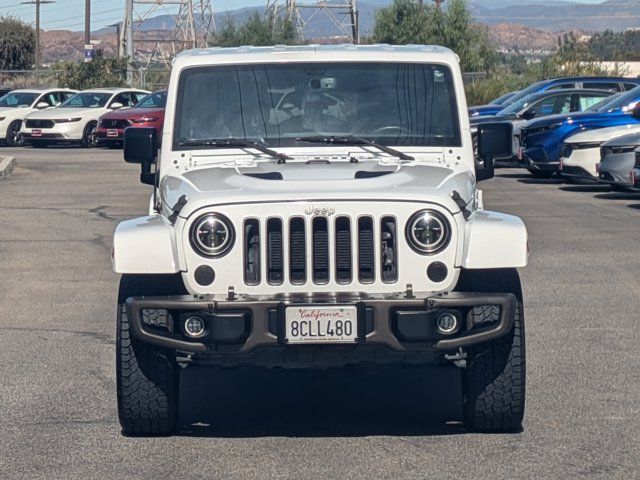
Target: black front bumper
x: 397, y: 323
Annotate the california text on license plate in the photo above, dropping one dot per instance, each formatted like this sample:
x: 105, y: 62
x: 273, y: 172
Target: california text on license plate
x: 310, y: 324
x: 112, y: 133
x: 36, y: 133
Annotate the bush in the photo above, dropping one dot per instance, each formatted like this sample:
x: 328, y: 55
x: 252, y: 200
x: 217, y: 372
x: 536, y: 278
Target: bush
x: 100, y: 72
x: 17, y: 44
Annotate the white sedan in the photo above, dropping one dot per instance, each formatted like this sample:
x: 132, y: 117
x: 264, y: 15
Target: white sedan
x: 76, y: 120
x: 581, y: 152
x: 17, y: 104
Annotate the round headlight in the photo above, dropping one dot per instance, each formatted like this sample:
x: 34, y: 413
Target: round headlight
x: 428, y: 232
x: 212, y: 235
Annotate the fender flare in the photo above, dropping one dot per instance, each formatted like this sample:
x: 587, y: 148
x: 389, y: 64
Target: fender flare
x: 495, y: 240
x: 146, y: 245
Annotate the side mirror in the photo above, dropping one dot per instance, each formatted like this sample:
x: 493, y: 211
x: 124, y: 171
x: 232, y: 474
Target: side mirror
x: 116, y: 106
x: 495, y: 140
x: 42, y: 105
x: 141, y: 146
x: 528, y: 114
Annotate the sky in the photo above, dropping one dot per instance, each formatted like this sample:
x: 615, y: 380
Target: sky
x: 69, y: 14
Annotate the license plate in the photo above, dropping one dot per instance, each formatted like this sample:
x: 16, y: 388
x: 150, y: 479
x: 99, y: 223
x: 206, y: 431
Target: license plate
x: 112, y: 133
x: 310, y: 324
x: 520, y: 153
x: 36, y: 133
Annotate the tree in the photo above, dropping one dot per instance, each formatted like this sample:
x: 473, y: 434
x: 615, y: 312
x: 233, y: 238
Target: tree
x: 256, y: 31
x: 100, y: 72
x: 407, y: 22
x: 17, y: 44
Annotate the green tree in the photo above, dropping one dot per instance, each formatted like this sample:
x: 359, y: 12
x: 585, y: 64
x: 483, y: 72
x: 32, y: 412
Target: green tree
x: 101, y: 72
x: 256, y: 31
x: 17, y: 44
x: 406, y: 22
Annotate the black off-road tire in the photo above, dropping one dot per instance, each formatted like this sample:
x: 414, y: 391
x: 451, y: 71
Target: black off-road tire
x: 14, y: 139
x: 147, y: 376
x: 89, y: 139
x: 494, y: 381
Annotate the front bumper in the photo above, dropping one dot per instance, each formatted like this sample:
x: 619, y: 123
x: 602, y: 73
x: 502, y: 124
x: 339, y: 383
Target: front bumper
x: 397, y: 323
x: 536, y: 159
x: 71, y: 131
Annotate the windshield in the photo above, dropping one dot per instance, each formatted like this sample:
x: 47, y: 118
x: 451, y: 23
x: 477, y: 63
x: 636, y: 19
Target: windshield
x: 153, y: 100
x: 503, y: 99
x: 18, y: 99
x: 515, y: 107
x: 278, y: 105
x: 87, y: 100
x: 623, y: 101
x: 534, y: 88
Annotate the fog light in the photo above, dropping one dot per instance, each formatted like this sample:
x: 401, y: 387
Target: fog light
x: 194, y: 327
x: 447, y: 323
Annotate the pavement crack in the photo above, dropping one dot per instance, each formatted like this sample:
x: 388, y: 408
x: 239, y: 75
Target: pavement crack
x: 108, y: 339
x: 99, y: 211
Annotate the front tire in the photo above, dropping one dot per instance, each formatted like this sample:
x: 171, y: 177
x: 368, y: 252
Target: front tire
x: 89, y: 138
x: 14, y: 139
x: 147, y: 376
x: 494, y: 381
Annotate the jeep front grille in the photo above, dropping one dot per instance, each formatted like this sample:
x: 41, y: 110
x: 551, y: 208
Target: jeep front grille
x: 318, y: 250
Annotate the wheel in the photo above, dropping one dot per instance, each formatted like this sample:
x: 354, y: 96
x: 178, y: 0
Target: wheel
x: 14, y: 138
x: 39, y: 144
x: 494, y: 381
x: 540, y: 173
x: 147, y: 376
x: 89, y: 138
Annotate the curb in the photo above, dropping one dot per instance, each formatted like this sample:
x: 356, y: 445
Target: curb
x: 7, y: 164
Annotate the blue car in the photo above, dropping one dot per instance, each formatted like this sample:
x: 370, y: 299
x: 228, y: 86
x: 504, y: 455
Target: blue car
x: 541, y: 140
x: 614, y: 84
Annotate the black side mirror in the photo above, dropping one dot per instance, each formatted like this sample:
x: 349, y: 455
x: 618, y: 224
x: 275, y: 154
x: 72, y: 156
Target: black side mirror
x: 528, y: 114
x: 141, y: 146
x: 495, y: 140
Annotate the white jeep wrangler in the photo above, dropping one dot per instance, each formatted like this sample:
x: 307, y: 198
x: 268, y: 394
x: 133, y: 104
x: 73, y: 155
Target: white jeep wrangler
x: 315, y: 207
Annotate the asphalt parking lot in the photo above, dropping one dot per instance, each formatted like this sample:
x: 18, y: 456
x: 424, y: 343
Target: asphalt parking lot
x: 58, y: 417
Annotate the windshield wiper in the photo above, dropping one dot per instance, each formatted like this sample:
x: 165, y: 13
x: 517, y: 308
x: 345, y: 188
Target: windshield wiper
x: 233, y: 143
x: 353, y: 140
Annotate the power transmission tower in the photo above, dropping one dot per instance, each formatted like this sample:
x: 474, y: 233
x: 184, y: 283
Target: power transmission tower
x: 303, y: 15
x: 37, y: 3
x: 154, y: 49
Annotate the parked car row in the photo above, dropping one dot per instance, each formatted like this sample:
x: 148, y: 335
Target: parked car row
x: 585, y: 135
x: 91, y: 118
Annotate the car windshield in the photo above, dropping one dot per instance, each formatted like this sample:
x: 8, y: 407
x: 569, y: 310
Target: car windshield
x: 87, y: 100
x: 18, y: 99
x: 533, y: 88
x: 623, y: 101
x: 515, y: 107
x: 504, y: 98
x: 289, y: 104
x: 153, y: 100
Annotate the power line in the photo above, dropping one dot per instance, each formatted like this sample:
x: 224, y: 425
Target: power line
x: 37, y: 3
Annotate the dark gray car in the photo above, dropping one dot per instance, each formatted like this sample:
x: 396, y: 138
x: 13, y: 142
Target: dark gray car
x: 617, y: 159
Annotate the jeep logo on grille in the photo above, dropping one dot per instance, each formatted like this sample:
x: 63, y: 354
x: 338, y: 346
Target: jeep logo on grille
x: 324, y: 211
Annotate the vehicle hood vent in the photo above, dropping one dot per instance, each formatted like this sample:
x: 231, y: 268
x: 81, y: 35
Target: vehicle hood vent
x: 314, y: 171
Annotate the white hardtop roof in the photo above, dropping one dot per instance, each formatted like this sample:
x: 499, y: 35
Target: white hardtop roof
x: 316, y: 53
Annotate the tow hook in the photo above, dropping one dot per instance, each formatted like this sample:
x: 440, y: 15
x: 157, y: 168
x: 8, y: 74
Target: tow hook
x: 459, y: 358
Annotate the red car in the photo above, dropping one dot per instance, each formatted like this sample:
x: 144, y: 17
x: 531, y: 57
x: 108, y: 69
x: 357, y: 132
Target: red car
x: 148, y: 112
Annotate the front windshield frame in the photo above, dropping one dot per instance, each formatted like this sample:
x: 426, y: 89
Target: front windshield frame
x: 269, y: 83
x: 33, y: 96
x: 103, y: 99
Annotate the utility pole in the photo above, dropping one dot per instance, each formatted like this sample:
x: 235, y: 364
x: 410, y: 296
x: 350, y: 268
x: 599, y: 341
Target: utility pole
x: 87, y: 22
x: 37, y: 3
x: 117, y: 27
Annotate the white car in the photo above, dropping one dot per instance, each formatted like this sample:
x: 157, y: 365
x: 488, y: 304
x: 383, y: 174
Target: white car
x: 75, y: 121
x: 580, y: 152
x: 17, y: 104
x: 347, y: 228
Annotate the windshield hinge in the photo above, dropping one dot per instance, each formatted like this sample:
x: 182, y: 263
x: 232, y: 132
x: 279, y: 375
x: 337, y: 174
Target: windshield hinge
x: 462, y: 205
x: 177, y: 208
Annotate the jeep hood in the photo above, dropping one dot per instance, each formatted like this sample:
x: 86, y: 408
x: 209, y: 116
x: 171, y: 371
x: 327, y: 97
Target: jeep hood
x: 269, y: 182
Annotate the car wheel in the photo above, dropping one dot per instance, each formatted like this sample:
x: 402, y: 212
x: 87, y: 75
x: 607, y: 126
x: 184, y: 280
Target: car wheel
x: 494, y: 380
x: 14, y: 138
x: 147, y: 376
x: 89, y: 137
